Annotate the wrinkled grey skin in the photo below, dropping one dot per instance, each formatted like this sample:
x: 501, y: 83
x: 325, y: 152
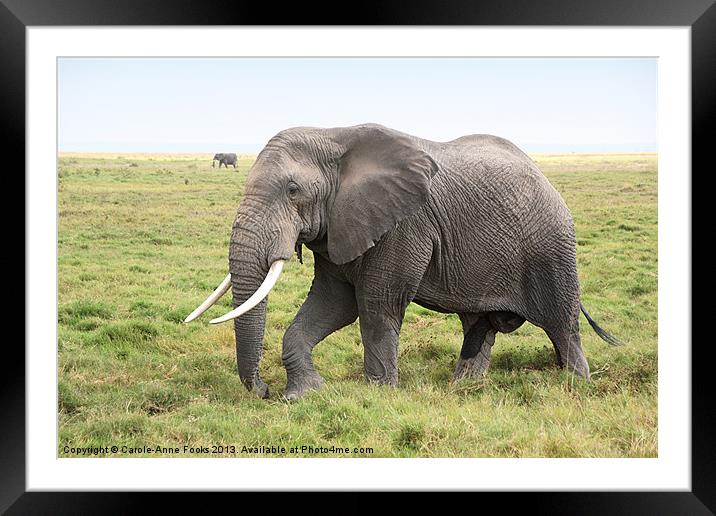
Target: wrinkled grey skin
x: 470, y: 227
x: 224, y: 159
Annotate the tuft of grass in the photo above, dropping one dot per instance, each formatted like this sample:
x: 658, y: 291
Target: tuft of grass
x: 68, y: 400
x: 125, y: 335
x: 83, y: 309
x: 410, y: 435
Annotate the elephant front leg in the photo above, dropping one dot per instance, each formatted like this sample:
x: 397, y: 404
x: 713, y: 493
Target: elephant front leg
x: 330, y: 306
x: 476, y: 350
x: 301, y: 375
x: 380, y: 335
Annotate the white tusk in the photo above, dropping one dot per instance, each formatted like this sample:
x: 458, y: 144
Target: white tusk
x: 213, y: 298
x: 258, y: 296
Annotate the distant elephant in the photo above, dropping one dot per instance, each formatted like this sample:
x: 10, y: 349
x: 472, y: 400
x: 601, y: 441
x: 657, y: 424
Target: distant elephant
x: 470, y: 227
x: 225, y: 159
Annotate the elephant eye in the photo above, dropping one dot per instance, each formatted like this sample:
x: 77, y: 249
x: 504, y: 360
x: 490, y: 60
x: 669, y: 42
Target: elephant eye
x: 292, y: 189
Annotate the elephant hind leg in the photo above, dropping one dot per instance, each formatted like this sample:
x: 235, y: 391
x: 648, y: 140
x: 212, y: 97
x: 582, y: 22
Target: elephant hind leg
x: 476, y: 347
x: 568, y: 348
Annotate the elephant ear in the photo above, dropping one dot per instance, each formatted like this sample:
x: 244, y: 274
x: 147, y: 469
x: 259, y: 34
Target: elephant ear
x: 383, y: 178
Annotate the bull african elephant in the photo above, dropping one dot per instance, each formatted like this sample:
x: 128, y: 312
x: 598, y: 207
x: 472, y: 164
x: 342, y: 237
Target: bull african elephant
x: 470, y: 227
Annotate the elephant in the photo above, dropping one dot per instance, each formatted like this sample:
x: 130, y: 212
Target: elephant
x: 225, y: 159
x: 470, y: 227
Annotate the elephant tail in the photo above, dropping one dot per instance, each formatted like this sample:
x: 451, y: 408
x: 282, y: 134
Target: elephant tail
x: 611, y: 339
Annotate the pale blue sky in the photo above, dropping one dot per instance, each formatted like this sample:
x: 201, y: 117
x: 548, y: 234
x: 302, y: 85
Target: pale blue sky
x: 222, y: 105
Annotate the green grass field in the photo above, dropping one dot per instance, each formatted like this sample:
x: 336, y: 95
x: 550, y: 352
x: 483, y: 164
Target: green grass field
x: 143, y: 239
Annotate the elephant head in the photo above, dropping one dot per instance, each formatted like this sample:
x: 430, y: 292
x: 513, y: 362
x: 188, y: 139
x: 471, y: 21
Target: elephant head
x: 338, y: 189
x: 217, y: 157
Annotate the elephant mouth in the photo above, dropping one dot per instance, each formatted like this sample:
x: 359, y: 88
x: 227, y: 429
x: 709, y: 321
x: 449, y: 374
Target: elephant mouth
x: 256, y: 298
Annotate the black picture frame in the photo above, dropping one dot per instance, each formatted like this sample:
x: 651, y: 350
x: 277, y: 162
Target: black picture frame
x: 700, y: 15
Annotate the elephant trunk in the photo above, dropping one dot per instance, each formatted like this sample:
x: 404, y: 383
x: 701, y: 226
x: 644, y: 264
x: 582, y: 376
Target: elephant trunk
x: 259, y: 246
x: 247, y: 266
x: 248, y: 269
x: 249, y: 332
x: 254, y: 266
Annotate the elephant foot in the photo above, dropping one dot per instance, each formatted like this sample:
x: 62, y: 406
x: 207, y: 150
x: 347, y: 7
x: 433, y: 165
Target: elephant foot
x: 297, y: 387
x: 389, y: 380
x: 580, y: 367
x: 260, y: 388
x: 475, y: 366
x: 570, y: 355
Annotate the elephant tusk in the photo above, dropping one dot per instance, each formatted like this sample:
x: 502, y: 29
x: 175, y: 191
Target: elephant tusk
x: 213, y: 298
x: 258, y: 296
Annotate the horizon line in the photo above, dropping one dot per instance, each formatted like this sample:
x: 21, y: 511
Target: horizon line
x: 178, y: 153
x: 580, y: 148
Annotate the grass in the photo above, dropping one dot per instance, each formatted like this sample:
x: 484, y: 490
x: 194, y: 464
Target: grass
x: 144, y: 238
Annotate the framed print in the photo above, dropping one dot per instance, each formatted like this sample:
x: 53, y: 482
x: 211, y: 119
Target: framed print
x: 584, y: 125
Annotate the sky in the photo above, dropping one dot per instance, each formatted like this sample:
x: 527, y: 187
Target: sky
x: 237, y: 104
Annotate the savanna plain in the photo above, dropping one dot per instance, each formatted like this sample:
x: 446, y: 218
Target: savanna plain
x: 143, y: 239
